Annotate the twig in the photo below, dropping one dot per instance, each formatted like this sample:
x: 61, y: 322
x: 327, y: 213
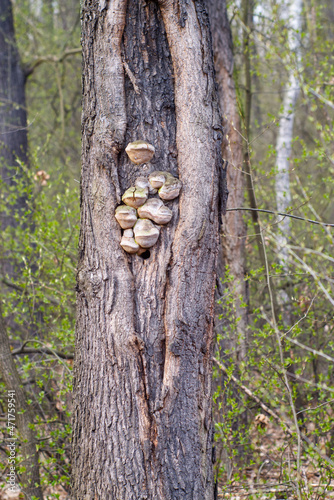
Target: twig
x: 313, y: 351
x: 300, y: 319
x: 316, y: 407
x: 280, y: 213
x: 132, y: 77
x: 50, y: 58
x: 312, y: 273
x: 271, y: 412
x: 43, y: 350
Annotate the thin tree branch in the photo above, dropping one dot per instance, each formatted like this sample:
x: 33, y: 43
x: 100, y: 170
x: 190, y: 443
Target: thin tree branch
x: 313, y: 351
x: 50, y: 58
x: 41, y: 350
x: 270, y: 411
x: 326, y: 224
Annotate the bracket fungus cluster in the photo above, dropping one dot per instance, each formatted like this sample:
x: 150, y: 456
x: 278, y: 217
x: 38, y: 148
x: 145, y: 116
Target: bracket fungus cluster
x: 140, y: 216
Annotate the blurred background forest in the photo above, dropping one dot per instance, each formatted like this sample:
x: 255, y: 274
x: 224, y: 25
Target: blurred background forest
x: 274, y: 350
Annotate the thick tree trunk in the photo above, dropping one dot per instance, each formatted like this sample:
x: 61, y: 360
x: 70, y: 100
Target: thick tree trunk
x: 234, y: 227
x: 142, y: 391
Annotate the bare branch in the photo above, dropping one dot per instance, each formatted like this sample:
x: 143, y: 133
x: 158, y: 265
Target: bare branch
x: 50, y: 58
x: 314, y: 351
x: 280, y: 213
x: 270, y: 411
x: 41, y: 350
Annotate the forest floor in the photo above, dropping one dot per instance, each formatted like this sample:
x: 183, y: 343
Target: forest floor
x: 271, y: 476
x: 273, y: 472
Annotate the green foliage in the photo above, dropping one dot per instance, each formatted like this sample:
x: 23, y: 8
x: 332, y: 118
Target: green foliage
x: 39, y: 304
x: 253, y: 448
x: 266, y: 463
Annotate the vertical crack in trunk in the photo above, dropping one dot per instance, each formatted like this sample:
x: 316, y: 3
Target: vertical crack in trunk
x: 152, y: 404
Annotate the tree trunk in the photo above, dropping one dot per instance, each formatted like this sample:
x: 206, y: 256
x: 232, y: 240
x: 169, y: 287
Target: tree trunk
x: 13, y: 120
x: 285, y: 136
x: 232, y: 254
x: 29, y: 477
x: 13, y: 116
x: 282, y: 179
x: 142, y: 390
x: 234, y: 227
x: 13, y: 149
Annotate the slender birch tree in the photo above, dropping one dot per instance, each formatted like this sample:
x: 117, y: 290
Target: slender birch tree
x: 285, y: 132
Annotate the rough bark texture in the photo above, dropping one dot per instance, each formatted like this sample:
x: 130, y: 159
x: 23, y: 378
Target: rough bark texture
x: 232, y: 254
x: 234, y: 227
x: 142, y: 392
x: 29, y: 478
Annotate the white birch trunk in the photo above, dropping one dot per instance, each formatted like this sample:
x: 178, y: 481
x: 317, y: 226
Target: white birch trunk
x: 285, y: 133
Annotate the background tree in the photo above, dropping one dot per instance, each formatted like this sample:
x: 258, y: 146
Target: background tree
x: 13, y: 116
x: 144, y: 326
x: 231, y: 329
x: 13, y: 153
x: 36, y: 251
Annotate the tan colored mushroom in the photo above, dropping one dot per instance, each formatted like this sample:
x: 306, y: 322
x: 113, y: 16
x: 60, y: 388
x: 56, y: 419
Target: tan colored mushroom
x: 169, y: 185
x: 155, y: 210
x: 171, y: 188
x: 140, y: 152
x: 146, y: 233
x: 128, y: 242
x: 142, y: 183
x: 126, y: 216
x: 135, y: 196
x: 157, y: 179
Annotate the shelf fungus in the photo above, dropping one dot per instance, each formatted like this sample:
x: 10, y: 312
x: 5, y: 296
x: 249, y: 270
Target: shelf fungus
x: 126, y: 216
x: 135, y: 196
x: 143, y: 183
x: 140, y: 152
x: 146, y: 233
x: 155, y: 210
x: 128, y: 242
x: 168, y: 185
x: 139, y: 215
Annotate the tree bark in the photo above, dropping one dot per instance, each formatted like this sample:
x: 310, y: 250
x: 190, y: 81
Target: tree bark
x: 234, y: 227
x: 142, y: 390
x: 13, y: 120
x: 285, y: 135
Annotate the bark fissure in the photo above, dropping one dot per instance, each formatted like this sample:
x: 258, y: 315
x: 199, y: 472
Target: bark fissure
x: 151, y: 385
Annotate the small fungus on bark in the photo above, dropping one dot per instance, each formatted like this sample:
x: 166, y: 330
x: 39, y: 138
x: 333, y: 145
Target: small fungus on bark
x: 140, y: 152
